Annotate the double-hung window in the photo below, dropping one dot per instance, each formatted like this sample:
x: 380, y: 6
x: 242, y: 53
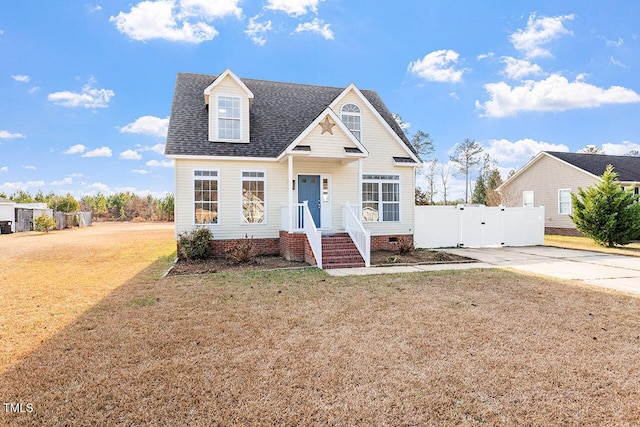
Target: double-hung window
x: 253, y: 197
x: 352, y: 119
x: 380, y: 198
x: 229, y: 117
x: 205, y: 185
x: 564, y: 201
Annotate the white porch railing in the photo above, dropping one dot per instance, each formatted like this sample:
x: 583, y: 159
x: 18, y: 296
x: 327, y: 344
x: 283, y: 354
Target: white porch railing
x: 360, y: 236
x: 297, y: 212
x: 303, y: 221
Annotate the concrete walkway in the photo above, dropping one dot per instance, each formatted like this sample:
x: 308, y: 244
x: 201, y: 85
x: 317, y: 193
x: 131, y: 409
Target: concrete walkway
x: 610, y: 271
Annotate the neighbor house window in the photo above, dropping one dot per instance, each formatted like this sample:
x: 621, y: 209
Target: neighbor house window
x: 564, y: 202
x: 205, y: 185
x: 253, y: 197
x: 351, y: 118
x: 380, y: 198
x: 527, y: 199
x: 229, y: 118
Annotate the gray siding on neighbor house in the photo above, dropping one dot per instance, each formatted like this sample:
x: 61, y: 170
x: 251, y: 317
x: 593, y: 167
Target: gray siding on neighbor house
x: 545, y: 176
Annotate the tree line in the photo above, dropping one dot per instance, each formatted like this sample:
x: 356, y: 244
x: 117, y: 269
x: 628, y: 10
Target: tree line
x: 125, y: 206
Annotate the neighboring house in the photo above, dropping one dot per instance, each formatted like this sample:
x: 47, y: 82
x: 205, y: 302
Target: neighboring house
x: 7, y: 216
x: 284, y: 163
x: 549, y: 179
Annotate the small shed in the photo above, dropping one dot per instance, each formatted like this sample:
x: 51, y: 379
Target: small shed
x: 7, y: 216
x: 26, y: 212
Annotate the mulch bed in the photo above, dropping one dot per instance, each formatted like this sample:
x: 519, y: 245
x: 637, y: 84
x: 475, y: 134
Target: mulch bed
x: 261, y: 263
x: 417, y: 256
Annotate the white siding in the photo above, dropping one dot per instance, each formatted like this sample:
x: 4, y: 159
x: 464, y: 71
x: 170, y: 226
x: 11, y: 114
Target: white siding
x: 382, y: 148
x: 230, y: 225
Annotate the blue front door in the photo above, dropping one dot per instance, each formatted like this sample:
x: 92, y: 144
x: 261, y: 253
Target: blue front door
x: 309, y: 190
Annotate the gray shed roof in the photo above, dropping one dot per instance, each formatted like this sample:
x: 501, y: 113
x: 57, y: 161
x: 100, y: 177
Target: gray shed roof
x: 627, y: 167
x: 279, y: 113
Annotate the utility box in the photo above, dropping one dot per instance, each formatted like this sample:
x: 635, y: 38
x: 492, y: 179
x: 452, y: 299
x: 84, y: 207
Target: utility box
x: 5, y: 227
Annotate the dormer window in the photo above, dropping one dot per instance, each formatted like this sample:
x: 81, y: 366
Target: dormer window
x: 351, y: 118
x: 229, y: 118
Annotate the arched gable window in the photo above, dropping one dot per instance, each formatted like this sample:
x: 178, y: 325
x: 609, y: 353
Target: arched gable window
x: 352, y: 119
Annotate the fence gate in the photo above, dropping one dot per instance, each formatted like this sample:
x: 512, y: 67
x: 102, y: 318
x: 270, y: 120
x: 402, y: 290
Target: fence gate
x: 24, y: 220
x: 475, y: 226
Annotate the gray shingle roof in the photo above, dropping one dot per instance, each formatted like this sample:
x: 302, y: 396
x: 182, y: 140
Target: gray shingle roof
x: 278, y: 114
x: 627, y: 167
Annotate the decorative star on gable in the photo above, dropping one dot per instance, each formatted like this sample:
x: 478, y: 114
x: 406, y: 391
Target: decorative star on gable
x: 326, y: 126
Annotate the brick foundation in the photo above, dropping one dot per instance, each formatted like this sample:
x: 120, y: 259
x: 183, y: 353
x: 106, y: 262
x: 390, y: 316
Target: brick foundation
x: 388, y: 242
x: 563, y: 231
x: 292, y: 246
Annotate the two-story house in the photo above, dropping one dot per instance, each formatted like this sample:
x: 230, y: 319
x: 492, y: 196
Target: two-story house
x: 290, y: 165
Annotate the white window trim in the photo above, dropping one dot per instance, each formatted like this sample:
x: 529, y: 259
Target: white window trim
x: 560, y: 190
x: 380, y: 202
x: 241, y: 120
x: 348, y: 113
x: 533, y: 198
x: 193, y: 191
x: 264, y: 179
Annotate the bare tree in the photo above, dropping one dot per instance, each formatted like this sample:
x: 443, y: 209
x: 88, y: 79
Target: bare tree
x: 430, y: 175
x: 445, y: 173
x: 465, y: 157
x: 591, y: 149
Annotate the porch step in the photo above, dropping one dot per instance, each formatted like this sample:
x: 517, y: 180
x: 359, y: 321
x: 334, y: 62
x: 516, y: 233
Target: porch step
x: 339, y: 251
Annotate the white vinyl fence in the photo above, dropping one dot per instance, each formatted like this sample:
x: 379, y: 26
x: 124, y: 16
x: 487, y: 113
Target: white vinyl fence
x: 476, y: 226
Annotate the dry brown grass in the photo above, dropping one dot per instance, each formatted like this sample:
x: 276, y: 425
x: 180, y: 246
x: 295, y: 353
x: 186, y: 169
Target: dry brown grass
x: 301, y: 348
x: 48, y: 280
x: 587, y: 244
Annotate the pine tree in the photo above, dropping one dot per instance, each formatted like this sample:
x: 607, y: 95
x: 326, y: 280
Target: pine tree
x: 606, y: 212
x: 479, y: 195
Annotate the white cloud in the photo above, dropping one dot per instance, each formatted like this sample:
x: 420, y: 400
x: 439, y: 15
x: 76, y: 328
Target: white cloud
x: 34, y: 89
x: 620, y: 149
x: 141, y: 171
x: 4, y: 169
x: 21, y: 78
x: 66, y: 181
x: 93, y: 9
x: 257, y: 30
x: 99, y: 187
x: 294, y: 7
x: 10, y: 187
x: 5, y: 134
x: 538, y: 33
x: 437, y: 66
x: 88, y: 97
x: 30, y: 167
x: 317, y: 26
x: 454, y: 96
x: 99, y: 152
x: 78, y: 148
x: 615, y: 62
x: 555, y: 93
x: 520, y: 151
x: 160, y: 163
x: 130, y: 155
x: 183, y: 21
x: 519, y: 68
x: 615, y: 43
x: 148, y: 125
x: 158, y: 148
x: 208, y: 9
x: 485, y: 56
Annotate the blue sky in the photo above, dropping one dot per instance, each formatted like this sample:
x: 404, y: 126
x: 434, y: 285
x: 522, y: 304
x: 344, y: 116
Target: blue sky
x: 86, y: 87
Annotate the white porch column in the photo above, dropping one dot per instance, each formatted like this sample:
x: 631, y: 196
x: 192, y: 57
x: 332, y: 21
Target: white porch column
x: 290, y: 186
x: 360, y: 187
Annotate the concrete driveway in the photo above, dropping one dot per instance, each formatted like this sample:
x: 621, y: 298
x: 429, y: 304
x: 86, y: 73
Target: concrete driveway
x: 609, y: 271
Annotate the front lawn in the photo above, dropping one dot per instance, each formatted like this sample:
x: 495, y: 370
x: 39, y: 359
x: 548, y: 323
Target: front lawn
x: 302, y: 348
x: 585, y: 243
